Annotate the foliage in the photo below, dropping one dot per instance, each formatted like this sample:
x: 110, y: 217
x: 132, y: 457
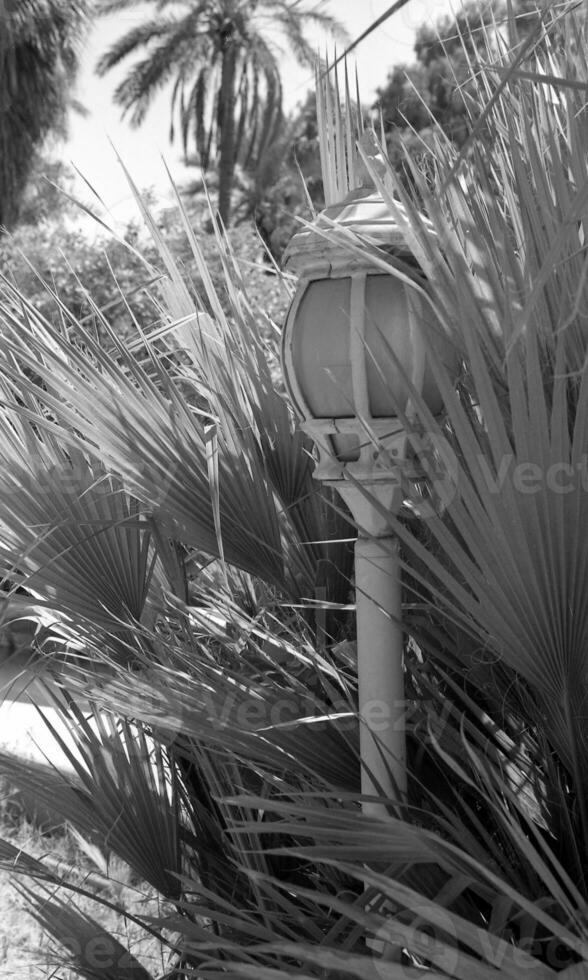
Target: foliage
x: 160, y: 512
x: 43, y: 198
x: 278, y: 185
x: 39, y: 46
x: 33, y: 256
x: 222, y: 57
x: 439, y: 90
x: 115, y: 274
x: 24, y: 949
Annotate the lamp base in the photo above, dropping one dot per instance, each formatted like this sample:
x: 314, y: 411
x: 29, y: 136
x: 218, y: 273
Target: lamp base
x: 371, y: 502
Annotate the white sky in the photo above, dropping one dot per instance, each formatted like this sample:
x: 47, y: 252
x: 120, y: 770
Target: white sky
x: 89, y: 146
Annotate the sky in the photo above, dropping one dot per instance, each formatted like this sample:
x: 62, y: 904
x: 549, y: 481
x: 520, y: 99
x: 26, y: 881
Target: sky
x: 91, y: 140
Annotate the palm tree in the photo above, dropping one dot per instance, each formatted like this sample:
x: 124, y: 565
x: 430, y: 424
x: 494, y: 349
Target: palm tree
x: 159, y: 514
x: 39, y: 47
x: 225, y: 61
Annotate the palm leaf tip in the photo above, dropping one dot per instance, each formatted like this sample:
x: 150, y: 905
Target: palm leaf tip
x: 82, y: 943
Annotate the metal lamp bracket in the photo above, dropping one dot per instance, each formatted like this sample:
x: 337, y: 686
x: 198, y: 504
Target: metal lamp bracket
x: 374, y: 476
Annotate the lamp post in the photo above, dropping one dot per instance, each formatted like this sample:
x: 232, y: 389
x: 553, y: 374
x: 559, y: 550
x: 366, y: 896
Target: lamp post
x: 346, y: 318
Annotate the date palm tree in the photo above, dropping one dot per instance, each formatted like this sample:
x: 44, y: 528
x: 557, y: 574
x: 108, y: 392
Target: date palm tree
x: 224, y: 59
x: 39, y: 47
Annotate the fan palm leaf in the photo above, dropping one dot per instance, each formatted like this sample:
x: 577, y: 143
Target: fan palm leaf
x: 122, y: 794
x: 508, y: 553
x: 183, y: 691
x: 264, y: 498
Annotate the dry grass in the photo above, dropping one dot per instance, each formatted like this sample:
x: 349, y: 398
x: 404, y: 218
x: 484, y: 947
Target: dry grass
x: 25, y: 952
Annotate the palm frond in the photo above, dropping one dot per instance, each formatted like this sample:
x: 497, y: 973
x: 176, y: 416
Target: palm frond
x: 122, y: 794
x: 503, y: 559
x: 89, y: 949
x: 230, y: 781
x: 129, y: 42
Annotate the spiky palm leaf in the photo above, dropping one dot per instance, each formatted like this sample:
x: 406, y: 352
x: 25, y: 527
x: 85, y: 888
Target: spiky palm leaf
x: 507, y: 273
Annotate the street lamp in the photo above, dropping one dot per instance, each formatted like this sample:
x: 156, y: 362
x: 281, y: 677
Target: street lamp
x: 352, y: 338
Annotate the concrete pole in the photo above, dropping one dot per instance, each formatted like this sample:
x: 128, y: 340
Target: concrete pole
x: 382, y: 736
x: 380, y: 654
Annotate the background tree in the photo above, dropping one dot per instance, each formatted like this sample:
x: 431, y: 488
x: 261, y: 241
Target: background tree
x: 225, y: 66
x: 279, y: 186
x: 45, y: 195
x: 39, y: 48
x: 438, y: 90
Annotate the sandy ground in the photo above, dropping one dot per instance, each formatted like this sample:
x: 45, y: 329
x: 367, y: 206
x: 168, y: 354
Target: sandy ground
x: 23, y: 948
x: 23, y: 702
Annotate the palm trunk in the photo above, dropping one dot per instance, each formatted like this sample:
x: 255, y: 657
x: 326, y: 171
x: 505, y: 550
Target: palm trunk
x: 227, y: 129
